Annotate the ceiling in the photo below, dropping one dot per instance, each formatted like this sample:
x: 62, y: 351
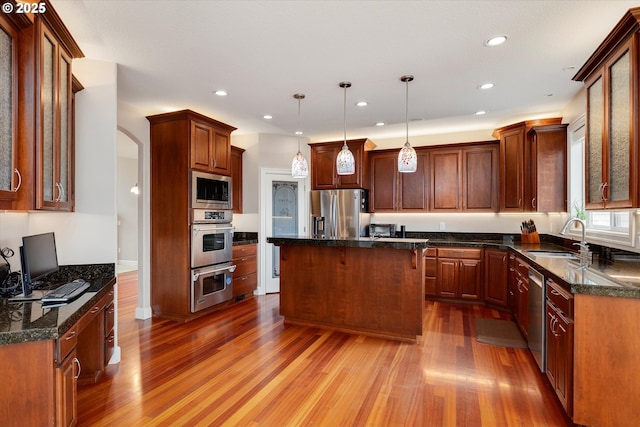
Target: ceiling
x: 174, y: 54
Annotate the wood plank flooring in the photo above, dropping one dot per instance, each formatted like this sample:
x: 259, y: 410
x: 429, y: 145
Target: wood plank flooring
x: 243, y: 367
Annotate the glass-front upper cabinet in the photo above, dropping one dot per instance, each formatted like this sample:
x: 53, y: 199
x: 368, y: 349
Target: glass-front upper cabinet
x: 55, y: 151
x: 10, y: 178
x: 612, y: 136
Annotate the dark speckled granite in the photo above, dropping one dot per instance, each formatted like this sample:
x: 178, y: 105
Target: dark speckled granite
x: 29, y: 321
x: 613, y: 272
x: 244, y: 238
x: 362, y: 242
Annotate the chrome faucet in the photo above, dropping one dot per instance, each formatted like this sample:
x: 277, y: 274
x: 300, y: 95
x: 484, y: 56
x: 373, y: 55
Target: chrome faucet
x: 584, y: 254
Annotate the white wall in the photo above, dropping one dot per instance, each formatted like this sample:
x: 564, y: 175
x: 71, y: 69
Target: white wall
x: 127, y: 209
x: 87, y: 235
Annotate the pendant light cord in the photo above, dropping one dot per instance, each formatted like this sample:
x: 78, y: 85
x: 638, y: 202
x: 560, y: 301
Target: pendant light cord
x: 298, y: 127
x: 344, y: 109
x: 406, y: 110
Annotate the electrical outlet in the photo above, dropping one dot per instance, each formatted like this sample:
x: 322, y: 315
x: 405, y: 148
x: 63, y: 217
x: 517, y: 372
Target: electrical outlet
x: 443, y: 226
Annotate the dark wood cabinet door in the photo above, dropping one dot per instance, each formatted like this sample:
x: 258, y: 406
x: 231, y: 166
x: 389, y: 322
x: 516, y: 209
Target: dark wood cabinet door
x: 236, y: 176
x: 221, y: 153
x: 413, y: 187
x: 354, y: 180
x: 564, y: 376
x: 469, y: 278
x: 201, y: 145
x: 481, y: 175
x: 496, y: 277
x: 523, y: 306
x: 512, y: 294
x: 548, y: 169
x: 323, y: 169
x: 383, y: 182
x: 66, y: 391
x: 446, y: 182
x: 446, y: 281
x: 512, y: 170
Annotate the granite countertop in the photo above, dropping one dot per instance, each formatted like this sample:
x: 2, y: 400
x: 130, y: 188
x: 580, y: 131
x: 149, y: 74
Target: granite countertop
x: 612, y: 272
x: 355, y: 242
x: 29, y: 321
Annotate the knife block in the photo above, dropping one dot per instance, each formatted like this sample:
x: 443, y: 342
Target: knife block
x: 532, y: 237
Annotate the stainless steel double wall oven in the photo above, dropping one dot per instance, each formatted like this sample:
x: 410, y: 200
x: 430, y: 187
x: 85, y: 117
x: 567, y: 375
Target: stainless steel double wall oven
x: 211, y: 243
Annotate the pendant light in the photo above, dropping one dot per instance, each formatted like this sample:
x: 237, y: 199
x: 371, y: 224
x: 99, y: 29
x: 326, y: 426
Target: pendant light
x: 407, y: 158
x: 299, y: 166
x: 345, y: 163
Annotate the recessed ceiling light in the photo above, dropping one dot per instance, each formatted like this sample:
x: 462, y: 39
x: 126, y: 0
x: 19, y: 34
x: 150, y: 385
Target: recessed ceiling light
x: 548, y: 94
x: 362, y: 103
x: 221, y: 92
x: 380, y: 123
x: 495, y: 41
x: 569, y: 68
x: 267, y: 117
x: 480, y: 113
x: 486, y: 86
x: 298, y: 132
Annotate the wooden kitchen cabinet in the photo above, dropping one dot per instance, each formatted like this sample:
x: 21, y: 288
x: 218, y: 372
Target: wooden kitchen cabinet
x: 210, y: 142
x: 459, y: 273
x: 512, y: 288
x: 323, y: 165
x: 172, y: 159
x: 430, y: 271
x: 547, y: 191
x: 393, y: 191
x: 515, y: 164
x: 521, y: 278
x: 496, y: 276
x: 612, y: 137
x: 236, y: 177
x: 9, y: 172
x: 245, y: 277
x: 464, y: 179
x: 37, y: 147
x: 559, y: 341
x: 67, y: 390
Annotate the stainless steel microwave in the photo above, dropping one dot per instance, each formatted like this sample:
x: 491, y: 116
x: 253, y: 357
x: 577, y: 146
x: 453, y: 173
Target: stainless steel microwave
x: 211, y: 191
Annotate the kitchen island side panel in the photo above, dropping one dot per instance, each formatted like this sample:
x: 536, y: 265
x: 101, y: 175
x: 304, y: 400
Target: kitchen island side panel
x: 376, y: 291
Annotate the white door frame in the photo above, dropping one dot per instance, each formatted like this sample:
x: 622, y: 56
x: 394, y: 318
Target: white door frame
x: 267, y: 176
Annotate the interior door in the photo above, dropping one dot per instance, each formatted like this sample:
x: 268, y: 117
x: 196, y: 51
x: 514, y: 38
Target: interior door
x: 283, y: 212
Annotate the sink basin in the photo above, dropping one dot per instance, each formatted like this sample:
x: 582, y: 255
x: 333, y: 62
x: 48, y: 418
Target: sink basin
x: 552, y: 254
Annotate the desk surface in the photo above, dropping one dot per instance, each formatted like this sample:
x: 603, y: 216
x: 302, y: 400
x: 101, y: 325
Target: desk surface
x: 29, y: 321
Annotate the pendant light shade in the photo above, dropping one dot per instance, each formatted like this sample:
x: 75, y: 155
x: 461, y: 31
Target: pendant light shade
x: 345, y: 163
x: 407, y: 158
x: 299, y: 166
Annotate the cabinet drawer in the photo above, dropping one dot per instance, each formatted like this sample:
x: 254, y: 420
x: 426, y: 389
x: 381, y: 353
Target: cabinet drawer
x: 245, y: 265
x: 66, y: 343
x: 460, y: 253
x: 560, y: 297
x: 244, y: 250
x: 431, y: 252
x: 521, y: 268
x: 109, y: 319
x: 245, y: 284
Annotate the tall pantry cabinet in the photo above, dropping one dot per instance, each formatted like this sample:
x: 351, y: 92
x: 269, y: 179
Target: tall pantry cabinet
x: 181, y: 141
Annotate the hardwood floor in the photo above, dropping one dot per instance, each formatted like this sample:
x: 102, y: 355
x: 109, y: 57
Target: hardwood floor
x: 243, y: 367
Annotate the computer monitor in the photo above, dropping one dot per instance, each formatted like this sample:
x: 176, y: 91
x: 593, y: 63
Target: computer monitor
x: 38, y: 257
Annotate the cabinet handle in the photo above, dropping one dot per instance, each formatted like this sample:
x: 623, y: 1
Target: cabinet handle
x: 17, y: 172
x: 77, y: 363
x: 554, y: 292
x: 604, y: 187
x: 533, y: 203
x: 71, y: 335
x: 519, y: 202
x: 95, y: 309
x: 60, y: 192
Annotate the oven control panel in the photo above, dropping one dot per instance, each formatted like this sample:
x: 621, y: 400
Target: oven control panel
x: 211, y: 216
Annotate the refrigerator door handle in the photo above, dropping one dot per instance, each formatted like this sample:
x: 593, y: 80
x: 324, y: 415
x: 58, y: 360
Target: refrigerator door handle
x: 334, y: 216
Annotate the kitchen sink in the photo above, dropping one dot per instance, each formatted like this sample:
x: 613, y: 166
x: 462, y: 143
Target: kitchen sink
x: 552, y: 254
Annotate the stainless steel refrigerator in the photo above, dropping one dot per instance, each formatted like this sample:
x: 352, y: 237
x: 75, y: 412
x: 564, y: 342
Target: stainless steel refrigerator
x: 339, y: 214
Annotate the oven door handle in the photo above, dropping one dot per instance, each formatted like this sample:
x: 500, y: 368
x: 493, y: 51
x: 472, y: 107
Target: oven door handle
x: 230, y: 268
x: 196, y: 230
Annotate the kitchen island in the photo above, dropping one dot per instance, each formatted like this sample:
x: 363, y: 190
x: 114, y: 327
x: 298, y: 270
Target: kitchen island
x: 360, y: 285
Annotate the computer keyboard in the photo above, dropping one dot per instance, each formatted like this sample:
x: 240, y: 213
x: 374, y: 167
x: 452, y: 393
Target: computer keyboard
x: 66, y: 292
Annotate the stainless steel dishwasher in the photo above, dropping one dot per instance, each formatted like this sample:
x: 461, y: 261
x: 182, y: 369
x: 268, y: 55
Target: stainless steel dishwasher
x: 537, y: 318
